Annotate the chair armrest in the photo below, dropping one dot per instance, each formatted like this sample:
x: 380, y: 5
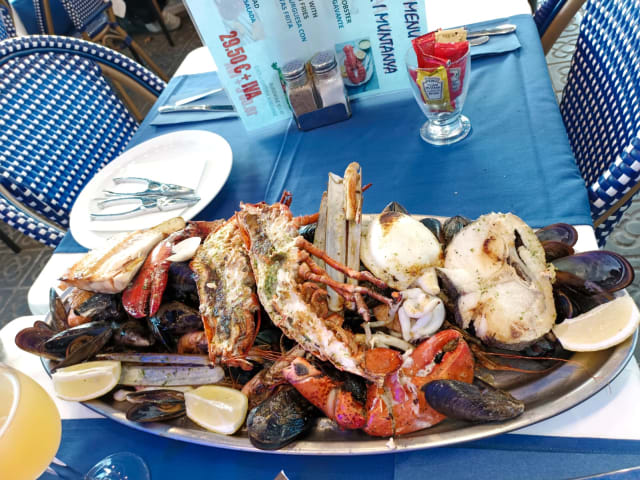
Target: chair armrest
x: 559, y: 23
x: 11, y: 200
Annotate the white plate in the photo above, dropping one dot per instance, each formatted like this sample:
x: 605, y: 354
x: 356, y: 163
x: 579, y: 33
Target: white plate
x: 193, y: 158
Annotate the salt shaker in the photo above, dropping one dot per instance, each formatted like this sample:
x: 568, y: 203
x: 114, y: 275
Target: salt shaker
x: 300, y: 89
x: 328, y: 81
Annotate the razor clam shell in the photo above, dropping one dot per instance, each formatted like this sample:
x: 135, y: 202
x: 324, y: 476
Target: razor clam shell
x: 157, y: 358
x: 134, y: 375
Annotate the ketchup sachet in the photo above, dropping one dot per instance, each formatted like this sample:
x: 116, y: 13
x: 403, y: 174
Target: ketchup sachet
x: 441, y: 67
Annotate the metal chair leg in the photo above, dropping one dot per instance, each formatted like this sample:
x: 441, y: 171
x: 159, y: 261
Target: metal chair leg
x: 8, y: 242
x: 153, y: 5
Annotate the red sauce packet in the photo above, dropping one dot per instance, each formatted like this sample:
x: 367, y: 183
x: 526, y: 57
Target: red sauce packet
x: 432, y: 54
x: 457, y: 66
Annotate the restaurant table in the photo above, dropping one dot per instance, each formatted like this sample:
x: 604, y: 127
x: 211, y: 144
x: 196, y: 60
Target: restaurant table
x: 503, y: 165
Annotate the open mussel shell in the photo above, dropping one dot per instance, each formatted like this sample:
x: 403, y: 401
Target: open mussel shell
x: 83, y: 348
x: 280, y: 419
x: 558, y: 232
x: 608, y: 270
x: 465, y: 401
x: 155, y: 412
x: 58, y: 344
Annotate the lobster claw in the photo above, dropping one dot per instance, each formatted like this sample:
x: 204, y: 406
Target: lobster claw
x: 397, y: 406
x: 143, y: 296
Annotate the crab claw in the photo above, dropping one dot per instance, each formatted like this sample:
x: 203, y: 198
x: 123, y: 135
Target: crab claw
x: 143, y: 296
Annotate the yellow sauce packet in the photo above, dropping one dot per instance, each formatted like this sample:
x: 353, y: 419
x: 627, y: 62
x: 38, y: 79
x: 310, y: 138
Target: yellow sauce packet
x: 453, y: 35
x: 434, y: 86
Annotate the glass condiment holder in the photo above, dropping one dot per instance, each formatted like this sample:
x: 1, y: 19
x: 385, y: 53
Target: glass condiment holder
x: 328, y: 81
x: 299, y: 87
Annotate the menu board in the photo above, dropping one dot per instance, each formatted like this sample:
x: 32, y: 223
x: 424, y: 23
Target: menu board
x: 251, y: 39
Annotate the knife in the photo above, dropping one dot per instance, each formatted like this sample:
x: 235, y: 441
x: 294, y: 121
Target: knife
x: 499, y: 30
x: 197, y: 108
x: 197, y: 97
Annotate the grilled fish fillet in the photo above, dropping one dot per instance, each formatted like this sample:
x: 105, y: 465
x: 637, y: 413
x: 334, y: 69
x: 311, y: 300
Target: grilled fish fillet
x: 109, y: 269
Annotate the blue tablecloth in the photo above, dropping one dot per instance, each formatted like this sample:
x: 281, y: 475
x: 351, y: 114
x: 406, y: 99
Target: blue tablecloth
x: 84, y: 442
x: 517, y: 157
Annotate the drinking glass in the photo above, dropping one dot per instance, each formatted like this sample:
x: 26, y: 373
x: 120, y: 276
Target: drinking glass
x: 30, y: 430
x: 440, y: 91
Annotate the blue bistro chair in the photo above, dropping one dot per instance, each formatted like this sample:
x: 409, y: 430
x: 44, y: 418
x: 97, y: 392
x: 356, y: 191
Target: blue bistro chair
x: 7, y: 27
x: 601, y: 108
x: 60, y: 122
x: 552, y: 17
x: 95, y: 21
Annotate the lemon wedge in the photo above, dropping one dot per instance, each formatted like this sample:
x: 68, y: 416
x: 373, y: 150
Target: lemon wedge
x: 602, y: 327
x: 219, y: 409
x: 86, y: 381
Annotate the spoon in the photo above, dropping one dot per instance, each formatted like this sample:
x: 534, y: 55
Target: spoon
x: 499, y: 30
x: 475, y: 41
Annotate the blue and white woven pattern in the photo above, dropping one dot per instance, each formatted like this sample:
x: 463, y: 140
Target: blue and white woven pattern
x: 601, y: 104
x: 545, y: 13
x: 7, y: 28
x: 18, y: 219
x: 38, y: 10
x: 60, y: 121
x: 83, y: 12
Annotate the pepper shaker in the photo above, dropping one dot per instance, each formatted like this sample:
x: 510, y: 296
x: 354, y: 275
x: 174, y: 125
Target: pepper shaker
x: 299, y: 87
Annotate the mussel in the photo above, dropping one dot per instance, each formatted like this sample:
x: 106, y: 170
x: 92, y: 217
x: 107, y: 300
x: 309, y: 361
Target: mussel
x: 395, y: 207
x: 465, y: 401
x: 452, y: 226
x: 181, y: 285
x: 101, y: 307
x: 32, y: 340
x: 554, y: 250
x: 434, y: 225
x: 557, y: 240
x: 58, y: 312
x: 608, y: 270
x: 558, y: 232
x: 84, y: 347
x: 173, y: 320
x: 280, y: 419
x: 133, y: 333
x: 155, y: 405
x: 308, y: 231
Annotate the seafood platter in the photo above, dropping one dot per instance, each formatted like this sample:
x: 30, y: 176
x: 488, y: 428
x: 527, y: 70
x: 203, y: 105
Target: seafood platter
x: 337, y: 332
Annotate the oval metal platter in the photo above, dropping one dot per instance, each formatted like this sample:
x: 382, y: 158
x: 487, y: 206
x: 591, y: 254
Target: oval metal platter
x: 544, y: 395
